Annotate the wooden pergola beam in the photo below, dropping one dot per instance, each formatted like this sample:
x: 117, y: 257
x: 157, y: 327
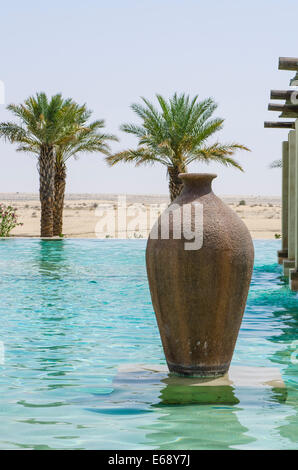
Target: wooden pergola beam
x: 287, y: 110
x: 279, y: 124
x: 288, y: 63
x: 284, y: 108
x: 282, y: 94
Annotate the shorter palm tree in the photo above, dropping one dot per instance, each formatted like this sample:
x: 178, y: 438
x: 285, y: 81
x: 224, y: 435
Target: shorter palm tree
x: 88, y: 139
x: 175, y: 136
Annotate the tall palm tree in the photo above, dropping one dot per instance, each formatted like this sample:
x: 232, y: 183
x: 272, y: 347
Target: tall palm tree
x: 88, y: 138
x: 175, y: 136
x: 44, y: 126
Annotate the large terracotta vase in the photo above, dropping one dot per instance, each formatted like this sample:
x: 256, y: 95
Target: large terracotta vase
x: 199, y: 294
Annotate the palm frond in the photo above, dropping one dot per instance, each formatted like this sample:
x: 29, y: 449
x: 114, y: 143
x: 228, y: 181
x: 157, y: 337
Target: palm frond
x: 12, y: 132
x: 29, y: 149
x: 139, y: 157
x: 219, y: 153
x: 56, y: 122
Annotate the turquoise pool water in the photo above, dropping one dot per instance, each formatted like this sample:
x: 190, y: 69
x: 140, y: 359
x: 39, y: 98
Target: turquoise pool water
x: 71, y: 311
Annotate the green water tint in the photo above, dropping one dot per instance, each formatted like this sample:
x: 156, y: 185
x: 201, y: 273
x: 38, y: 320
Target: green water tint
x: 72, y: 311
x: 225, y: 395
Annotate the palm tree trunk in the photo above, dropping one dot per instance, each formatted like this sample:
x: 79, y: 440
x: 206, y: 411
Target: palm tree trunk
x: 60, y: 182
x: 46, y: 189
x: 175, y: 183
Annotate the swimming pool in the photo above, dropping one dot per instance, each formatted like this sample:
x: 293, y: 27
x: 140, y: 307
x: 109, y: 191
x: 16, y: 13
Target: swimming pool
x: 72, y: 311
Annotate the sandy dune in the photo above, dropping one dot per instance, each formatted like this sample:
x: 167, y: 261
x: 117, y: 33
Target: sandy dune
x: 102, y: 215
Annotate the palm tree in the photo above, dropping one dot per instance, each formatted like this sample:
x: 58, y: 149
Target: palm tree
x: 44, y: 126
x: 88, y: 138
x: 175, y: 136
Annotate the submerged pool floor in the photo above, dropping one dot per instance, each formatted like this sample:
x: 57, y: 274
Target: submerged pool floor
x: 72, y: 311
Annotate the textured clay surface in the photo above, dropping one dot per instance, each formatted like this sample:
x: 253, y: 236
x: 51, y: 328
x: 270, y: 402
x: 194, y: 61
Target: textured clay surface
x: 199, y: 296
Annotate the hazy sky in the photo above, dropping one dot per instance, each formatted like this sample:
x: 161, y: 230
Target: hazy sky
x: 109, y: 53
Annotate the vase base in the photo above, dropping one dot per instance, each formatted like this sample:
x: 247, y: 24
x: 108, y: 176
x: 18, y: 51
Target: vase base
x: 237, y: 376
x: 202, y: 371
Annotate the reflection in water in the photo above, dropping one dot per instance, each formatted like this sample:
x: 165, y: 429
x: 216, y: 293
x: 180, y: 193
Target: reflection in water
x: 51, y: 263
x: 51, y: 258
x: 289, y: 429
x: 183, y: 391
x: 209, y: 408
x: 55, y: 322
x: 196, y: 427
x: 287, y: 318
x: 188, y: 414
x: 175, y: 416
x: 263, y: 409
x: 185, y: 415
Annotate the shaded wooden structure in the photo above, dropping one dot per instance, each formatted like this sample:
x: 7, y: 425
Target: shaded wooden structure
x: 288, y: 255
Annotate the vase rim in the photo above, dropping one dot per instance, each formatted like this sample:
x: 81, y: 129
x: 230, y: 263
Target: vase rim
x: 197, y: 176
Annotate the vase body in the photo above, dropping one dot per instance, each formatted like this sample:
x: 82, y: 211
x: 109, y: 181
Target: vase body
x: 199, y: 295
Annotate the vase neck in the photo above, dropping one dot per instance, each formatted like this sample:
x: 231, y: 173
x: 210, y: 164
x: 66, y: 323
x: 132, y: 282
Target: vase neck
x: 197, y: 183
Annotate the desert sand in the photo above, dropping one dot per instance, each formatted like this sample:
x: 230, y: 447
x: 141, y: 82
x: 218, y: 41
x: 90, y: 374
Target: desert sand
x: 104, y: 215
